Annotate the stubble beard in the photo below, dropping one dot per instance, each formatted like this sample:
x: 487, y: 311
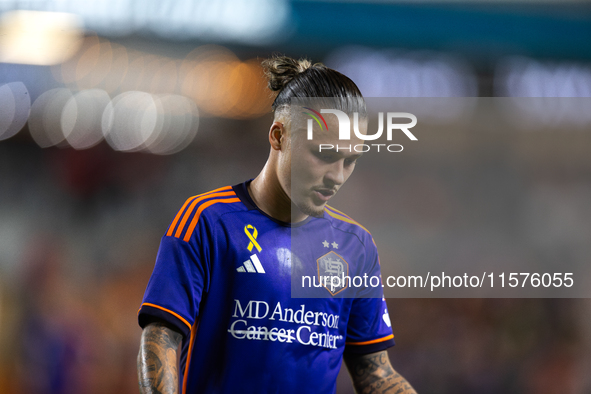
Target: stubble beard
x: 308, y: 208
x: 317, y: 212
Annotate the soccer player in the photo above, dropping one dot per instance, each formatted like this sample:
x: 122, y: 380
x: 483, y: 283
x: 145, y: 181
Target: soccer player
x: 221, y: 287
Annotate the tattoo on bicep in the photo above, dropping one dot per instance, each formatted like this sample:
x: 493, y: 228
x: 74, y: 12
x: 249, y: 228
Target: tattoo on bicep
x: 157, y: 360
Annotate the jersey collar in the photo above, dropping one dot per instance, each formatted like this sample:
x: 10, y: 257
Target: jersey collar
x: 241, y: 191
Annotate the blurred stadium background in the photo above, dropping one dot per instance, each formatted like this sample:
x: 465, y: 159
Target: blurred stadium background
x: 112, y: 113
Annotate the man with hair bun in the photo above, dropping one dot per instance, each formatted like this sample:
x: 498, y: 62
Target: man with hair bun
x: 218, y: 314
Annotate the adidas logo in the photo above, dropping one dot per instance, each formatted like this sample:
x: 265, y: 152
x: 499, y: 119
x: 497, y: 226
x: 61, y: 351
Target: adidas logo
x: 252, y: 265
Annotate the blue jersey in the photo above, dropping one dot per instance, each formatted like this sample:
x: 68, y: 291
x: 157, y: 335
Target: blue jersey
x: 223, y: 277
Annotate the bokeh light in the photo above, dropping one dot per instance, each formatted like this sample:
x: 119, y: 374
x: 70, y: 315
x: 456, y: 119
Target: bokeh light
x: 410, y: 74
x: 94, y: 65
x: 212, y: 76
x: 78, y: 65
x: 222, y: 85
x: 118, y: 70
x: 129, y: 120
x: 46, y: 113
x: 163, y: 75
x: 161, y: 125
x: 398, y: 73
x: 137, y: 74
x: 534, y: 84
x: 179, y: 118
x: 36, y: 37
x: 15, y: 105
x: 81, y: 118
x: 524, y: 77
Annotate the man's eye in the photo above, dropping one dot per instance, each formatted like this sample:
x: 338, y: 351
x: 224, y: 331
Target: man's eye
x: 325, y: 157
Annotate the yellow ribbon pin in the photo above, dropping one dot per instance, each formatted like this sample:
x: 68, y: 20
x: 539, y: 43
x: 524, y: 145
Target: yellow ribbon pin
x: 252, y: 237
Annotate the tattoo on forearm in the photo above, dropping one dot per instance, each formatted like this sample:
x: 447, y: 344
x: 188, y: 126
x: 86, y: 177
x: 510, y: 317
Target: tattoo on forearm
x: 157, y: 360
x: 372, y: 374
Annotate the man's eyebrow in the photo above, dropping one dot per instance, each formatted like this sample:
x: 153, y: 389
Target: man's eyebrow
x: 342, y: 152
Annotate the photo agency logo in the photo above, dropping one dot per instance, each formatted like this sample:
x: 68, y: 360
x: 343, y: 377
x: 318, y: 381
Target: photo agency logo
x: 344, y: 131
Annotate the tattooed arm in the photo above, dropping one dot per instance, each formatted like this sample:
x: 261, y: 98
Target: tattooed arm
x: 157, y: 360
x: 372, y: 373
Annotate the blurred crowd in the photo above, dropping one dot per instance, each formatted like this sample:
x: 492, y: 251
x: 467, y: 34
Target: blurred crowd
x: 121, y: 113
x: 80, y: 231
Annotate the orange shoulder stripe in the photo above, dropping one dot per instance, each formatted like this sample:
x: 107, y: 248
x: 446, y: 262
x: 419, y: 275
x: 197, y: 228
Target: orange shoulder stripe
x: 196, y: 201
x: 169, y: 311
x: 345, y: 219
x: 200, y: 209
x: 372, y: 341
x: 339, y: 212
x: 178, y: 215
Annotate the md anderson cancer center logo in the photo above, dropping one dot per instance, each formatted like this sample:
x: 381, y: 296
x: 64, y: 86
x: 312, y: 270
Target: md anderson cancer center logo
x: 259, y: 321
x: 345, y: 130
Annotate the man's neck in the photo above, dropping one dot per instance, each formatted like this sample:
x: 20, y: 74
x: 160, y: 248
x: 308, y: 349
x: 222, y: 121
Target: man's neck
x: 270, y: 197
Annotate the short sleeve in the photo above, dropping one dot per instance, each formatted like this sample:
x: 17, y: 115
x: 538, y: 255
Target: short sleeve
x: 179, y: 280
x: 369, y: 329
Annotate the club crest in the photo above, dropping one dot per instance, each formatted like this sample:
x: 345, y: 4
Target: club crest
x: 332, y: 272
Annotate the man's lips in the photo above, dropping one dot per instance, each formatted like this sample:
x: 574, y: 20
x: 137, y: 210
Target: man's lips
x: 324, y: 194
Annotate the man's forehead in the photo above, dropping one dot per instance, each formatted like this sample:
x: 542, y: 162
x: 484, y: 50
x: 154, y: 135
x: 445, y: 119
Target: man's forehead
x: 339, y: 150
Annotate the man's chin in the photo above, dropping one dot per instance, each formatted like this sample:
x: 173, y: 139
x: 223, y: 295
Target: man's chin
x: 315, y: 211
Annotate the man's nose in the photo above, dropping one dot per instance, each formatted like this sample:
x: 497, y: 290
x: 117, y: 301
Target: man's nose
x: 336, y: 173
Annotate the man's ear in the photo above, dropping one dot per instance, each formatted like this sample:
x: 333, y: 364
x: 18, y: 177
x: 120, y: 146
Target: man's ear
x: 277, y: 135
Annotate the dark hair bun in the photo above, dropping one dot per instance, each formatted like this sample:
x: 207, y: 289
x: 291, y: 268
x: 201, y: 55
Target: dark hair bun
x: 280, y: 70
x: 301, y: 79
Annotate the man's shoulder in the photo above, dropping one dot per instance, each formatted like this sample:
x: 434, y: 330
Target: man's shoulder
x: 222, y: 198
x: 199, y: 207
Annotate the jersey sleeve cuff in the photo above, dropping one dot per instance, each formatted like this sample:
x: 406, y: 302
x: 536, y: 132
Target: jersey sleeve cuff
x: 369, y: 346
x: 150, y: 313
